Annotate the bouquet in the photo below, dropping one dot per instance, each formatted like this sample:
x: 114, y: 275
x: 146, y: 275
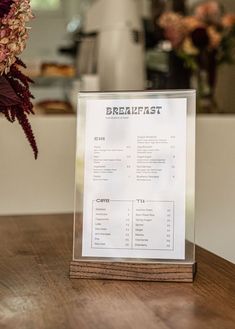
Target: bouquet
x: 15, y: 96
x: 205, y: 37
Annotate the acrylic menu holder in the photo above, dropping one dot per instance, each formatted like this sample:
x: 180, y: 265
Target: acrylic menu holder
x: 135, y: 186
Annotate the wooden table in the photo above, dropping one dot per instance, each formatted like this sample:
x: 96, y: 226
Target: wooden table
x: 35, y: 290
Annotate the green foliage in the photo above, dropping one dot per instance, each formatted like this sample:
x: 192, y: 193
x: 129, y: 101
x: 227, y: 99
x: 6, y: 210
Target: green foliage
x: 190, y: 61
x: 226, y: 51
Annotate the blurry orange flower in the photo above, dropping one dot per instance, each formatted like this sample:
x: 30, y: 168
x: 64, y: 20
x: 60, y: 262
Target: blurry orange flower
x: 191, y: 23
x: 214, y: 36
x: 208, y: 11
x: 228, y: 20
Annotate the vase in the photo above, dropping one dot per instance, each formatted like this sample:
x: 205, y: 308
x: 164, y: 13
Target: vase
x: 179, y: 75
x: 206, y: 77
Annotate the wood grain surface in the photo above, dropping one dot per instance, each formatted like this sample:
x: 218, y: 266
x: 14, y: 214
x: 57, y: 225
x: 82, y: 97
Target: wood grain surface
x: 132, y: 271
x: 36, y: 292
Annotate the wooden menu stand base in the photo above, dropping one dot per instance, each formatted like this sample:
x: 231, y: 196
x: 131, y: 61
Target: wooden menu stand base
x: 132, y: 271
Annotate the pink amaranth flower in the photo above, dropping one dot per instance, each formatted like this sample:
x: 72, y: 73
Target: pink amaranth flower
x: 3, y: 54
x: 13, y: 32
x: 15, y: 96
x: 5, y: 6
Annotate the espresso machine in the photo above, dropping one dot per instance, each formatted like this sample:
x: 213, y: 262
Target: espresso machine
x: 112, y: 45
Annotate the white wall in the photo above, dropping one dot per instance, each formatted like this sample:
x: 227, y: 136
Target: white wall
x: 47, y: 185
x: 215, y: 185
x: 42, y: 186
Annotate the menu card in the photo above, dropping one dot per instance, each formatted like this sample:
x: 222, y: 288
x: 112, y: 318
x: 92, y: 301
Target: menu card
x: 135, y: 178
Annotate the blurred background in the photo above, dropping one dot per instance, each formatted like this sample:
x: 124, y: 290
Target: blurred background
x: 125, y: 45
x: 102, y: 45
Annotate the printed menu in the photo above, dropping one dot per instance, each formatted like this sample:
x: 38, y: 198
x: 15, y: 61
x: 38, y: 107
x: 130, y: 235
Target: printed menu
x: 135, y: 178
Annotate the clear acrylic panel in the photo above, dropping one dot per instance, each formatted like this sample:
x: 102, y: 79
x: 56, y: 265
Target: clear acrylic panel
x: 176, y: 229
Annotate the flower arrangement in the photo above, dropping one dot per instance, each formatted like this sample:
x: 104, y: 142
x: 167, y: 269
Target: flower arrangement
x: 15, y: 96
x: 194, y: 38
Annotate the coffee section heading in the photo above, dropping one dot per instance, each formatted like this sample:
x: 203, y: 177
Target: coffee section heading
x: 134, y: 110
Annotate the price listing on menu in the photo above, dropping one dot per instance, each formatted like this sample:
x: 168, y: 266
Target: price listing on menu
x: 135, y: 178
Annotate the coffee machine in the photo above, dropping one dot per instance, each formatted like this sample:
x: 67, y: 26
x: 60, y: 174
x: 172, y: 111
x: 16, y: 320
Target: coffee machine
x: 113, y: 45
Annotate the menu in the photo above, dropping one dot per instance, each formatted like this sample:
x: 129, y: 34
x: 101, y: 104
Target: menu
x: 135, y: 178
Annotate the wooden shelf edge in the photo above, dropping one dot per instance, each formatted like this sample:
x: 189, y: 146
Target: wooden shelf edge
x: 132, y: 271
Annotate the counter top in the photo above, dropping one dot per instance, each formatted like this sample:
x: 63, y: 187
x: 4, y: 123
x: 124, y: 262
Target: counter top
x: 36, y: 292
